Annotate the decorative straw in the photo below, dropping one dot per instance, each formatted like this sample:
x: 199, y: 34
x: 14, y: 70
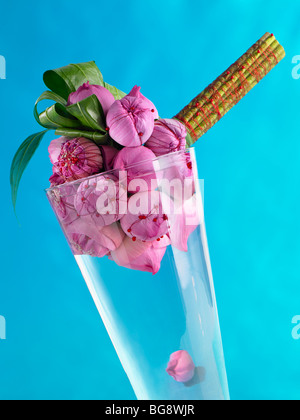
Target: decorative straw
x: 229, y: 88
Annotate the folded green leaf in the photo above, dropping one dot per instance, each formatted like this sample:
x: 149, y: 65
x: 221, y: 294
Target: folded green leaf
x: 90, y: 113
x: 21, y: 160
x: 56, y: 115
x: 68, y: 79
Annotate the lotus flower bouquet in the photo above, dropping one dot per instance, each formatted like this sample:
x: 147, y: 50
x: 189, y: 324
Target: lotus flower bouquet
x: 125, y: 189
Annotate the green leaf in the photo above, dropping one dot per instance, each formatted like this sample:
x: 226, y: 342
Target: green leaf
x: 68, y: 79
x: 98, y: 137
x: 56, y: 115
x: 118, y: 94
x: 21, y: 160
x: 52, y: 97
x: 90, y: 113
x: 189, y: 140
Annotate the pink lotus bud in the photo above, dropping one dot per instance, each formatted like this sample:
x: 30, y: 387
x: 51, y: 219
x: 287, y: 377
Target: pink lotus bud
x: 145, y: 219
x: 102, y: 198
x: 168, y: 136
x: 138, y: 162
x: 106, y: 98
x: 181, y: 366
x: 131, y: 121
x: 109, y: 154
x: 136, y: 91
x: 142, y: 256
x: 78, y: 158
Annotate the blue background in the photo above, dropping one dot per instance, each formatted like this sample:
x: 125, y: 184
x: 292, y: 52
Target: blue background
x: 56, y: 344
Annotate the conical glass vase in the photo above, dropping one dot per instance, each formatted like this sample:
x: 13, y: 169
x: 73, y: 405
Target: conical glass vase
x: 138, y: 236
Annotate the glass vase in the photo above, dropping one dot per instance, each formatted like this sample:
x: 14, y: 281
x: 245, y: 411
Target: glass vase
x: 138, y: 236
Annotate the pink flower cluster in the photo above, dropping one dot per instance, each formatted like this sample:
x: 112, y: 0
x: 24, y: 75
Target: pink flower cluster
x: 107, y: 199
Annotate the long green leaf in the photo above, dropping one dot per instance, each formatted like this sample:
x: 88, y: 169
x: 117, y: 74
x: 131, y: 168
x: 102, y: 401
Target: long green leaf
x: 21, y: 160
x: 68, y: 79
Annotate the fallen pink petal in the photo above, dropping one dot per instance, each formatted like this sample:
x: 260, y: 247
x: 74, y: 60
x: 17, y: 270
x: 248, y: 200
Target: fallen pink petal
x: 181, y: 366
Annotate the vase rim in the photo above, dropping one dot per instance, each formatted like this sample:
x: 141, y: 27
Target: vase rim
x: 112, y: 171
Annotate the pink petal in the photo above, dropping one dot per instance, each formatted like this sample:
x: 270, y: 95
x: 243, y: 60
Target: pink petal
x: 129, y: 251
x: 62, y: 201
x: 136, y: 91
x: 183, y: 223
x: 108, y: 237
x: 56, y: 179
x: 139, y: 256
x: 83, y: 245
x: 54, y: 148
